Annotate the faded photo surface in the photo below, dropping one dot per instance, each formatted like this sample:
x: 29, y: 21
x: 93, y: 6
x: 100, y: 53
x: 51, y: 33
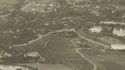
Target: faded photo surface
x: 62, y: 34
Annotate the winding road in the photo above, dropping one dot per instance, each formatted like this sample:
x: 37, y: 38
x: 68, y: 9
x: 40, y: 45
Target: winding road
x: 84, y: 57
x: 42, y: 36
x: 110, y: 62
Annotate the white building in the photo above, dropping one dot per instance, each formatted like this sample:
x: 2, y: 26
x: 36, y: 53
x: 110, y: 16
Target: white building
x: 119, y: 32
x: 112, y: 23
x: 95, y: 29
x: 33, y: 54
x: 118, y: 46
x: 14, y: 67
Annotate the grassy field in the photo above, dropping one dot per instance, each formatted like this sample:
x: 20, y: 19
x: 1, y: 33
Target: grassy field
x: 60, y: 51
x: 108, y: 60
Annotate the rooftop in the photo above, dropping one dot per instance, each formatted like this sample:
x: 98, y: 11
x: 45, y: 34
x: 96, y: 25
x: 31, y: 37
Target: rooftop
x: 112, y: 23
x: 15, y: 67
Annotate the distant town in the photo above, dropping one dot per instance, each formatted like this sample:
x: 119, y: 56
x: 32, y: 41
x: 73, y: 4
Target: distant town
x: 62, y: 35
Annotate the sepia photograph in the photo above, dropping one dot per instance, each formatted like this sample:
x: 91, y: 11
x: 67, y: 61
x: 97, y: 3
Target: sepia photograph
x: 62, y: 34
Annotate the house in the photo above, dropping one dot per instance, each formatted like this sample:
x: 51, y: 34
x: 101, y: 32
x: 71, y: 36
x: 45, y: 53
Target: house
x: 113, y: 43
x: 32, y: 54
x: 115, y: 28
x: 15, y: 67
x: 76, y: 41
x: 111, y: 23
x: 96, y: 29
x: 4, y: 54
x: 118, y: 46
x: 34, y: 57
x: 119, y: 32
x: 86, y: 1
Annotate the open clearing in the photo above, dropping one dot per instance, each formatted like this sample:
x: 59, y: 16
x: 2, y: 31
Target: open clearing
x: 59, y: 50
x: 108, y: 60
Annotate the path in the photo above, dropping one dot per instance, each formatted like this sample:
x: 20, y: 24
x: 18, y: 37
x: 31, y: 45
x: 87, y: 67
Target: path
x: 42, y: 36
x: 78, y: 51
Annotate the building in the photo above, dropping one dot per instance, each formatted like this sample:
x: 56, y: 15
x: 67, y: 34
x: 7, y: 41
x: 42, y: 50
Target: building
x: 112, y: 23
x: 113, y: 28
x: 114, y: 43
x: 95, y: 29
x: 15, y: 67
x: 32, y: 54
x: 89, y: 1
x: 119, y: 32
x: 118, y: 46
x: 76, y: 41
